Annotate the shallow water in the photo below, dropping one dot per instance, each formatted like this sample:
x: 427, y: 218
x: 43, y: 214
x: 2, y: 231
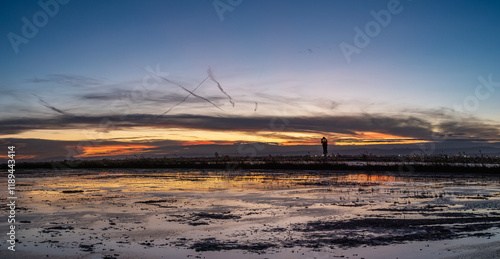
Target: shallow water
x: 252, y: 214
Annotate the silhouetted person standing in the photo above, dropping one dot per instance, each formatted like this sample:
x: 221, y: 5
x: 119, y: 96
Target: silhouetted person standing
x: 324, y: 142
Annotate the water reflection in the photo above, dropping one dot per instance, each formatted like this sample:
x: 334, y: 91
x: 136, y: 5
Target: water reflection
x: 216, y: 181
x: 246, y: 207
x: 207, y: 181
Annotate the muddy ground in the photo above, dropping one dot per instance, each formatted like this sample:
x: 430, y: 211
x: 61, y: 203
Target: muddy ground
x: 252, y: 214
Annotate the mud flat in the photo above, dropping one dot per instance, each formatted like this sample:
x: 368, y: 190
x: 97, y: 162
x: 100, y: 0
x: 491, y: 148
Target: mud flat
x: 167, y: 213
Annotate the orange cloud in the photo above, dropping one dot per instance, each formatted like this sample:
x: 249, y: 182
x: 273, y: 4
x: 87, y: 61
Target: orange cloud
x: 114, y: 150
x: 207, y: 142
x: 359, y: 138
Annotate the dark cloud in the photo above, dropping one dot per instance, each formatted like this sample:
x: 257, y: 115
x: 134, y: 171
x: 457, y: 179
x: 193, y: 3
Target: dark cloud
x: 59, y: 150
x: 471, y: 128
x: 410, y: 127
x: 39, y: 148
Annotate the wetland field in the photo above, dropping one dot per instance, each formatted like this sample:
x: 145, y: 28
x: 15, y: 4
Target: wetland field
x: 253, y: 213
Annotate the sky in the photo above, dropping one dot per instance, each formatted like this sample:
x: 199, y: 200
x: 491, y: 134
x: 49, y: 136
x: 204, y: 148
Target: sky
x: 94, y: 79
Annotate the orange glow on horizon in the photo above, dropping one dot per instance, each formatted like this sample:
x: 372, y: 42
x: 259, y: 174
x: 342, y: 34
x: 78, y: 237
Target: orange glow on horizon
x: 378, y: 142
x: 360, y: 139
x: 375, y: 138
x: 114, y: 150
x: 187, y: 138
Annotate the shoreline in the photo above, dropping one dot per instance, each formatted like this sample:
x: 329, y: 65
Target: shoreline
x: 435, y: 164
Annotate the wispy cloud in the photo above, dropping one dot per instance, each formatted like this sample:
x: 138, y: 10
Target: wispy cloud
x: 67, y: 80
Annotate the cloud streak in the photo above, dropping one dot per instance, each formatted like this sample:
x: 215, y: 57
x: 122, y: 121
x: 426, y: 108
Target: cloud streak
x: 212, y: 77
x: 46, y: 104
x: 190, y: 92
x: 185, y: 98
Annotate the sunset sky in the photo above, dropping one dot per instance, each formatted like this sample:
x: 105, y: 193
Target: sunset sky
x: 90, y: 79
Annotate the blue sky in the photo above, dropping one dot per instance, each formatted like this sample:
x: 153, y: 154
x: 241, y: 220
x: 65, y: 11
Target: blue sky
x: 282, y: 55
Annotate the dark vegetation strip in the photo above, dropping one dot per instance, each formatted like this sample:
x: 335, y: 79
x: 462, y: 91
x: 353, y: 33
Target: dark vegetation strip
x: 437, y: 163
